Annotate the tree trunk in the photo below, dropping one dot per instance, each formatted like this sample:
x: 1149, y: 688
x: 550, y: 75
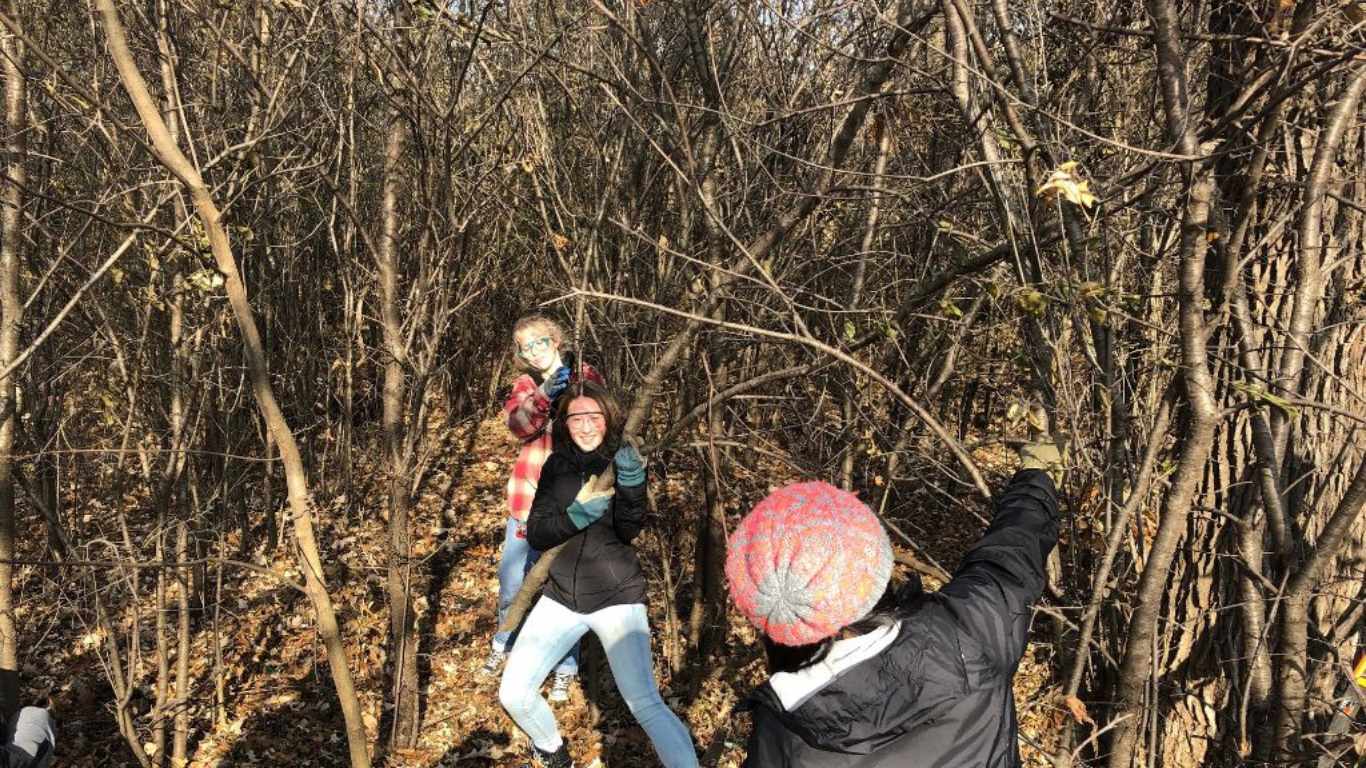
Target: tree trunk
x: 122, y: 683
x: 402, y: 632
x: 709, y: 554
x: 1294, y: 664
x: 163, y: 658
x: 300, y: 499
x: 1293, y: 673
x: 268, y: 493
x: 848, y: 407
x: 1138, y: 664
x: 11, y: 316
x: 183, y: 683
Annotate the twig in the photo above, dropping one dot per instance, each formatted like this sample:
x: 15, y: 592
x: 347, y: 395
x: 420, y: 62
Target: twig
x: 925, y: 416
x: 146, y: 564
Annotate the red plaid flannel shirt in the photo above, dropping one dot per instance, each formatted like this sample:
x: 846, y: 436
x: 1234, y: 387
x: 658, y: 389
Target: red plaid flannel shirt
x: 528, y: 417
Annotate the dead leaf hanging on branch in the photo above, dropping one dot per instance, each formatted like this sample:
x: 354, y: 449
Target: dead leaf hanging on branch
x: 1064, y: 181
x: 1078, y: 709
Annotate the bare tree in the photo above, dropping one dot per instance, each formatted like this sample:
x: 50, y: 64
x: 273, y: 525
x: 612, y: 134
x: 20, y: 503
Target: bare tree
x: 300, y: 501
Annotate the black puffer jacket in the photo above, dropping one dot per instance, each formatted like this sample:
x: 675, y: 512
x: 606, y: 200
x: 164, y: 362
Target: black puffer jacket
x: 598, y: 567
x: 932, y: 689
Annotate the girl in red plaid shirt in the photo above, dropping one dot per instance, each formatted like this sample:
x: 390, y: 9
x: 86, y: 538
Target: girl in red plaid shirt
x: 538, y: 349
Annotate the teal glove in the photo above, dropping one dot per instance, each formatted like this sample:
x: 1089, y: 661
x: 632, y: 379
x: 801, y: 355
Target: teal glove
x: 588, y: 511
x: 630, y: 467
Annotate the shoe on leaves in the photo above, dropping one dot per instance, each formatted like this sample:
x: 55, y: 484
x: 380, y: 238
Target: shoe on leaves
x: 558, y: 759
x: 559, y: 690
x: 494, y: 664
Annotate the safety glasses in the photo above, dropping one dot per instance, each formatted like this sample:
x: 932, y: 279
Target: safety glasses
x: 534, y: 346
x: 584, y: 419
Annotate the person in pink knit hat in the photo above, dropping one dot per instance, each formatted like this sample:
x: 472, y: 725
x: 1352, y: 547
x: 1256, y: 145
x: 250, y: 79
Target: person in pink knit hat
x: 864, y: 676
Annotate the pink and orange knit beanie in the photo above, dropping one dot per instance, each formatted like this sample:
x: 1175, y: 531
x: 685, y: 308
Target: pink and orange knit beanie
x: 807, y: 561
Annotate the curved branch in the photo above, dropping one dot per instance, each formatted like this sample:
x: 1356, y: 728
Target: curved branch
x: 1309, y: 263
x: 925, y: 416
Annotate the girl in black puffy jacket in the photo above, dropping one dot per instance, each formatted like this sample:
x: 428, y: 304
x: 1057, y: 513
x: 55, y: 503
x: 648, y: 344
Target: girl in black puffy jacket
x: 926, y: 682
x: 595, y: 581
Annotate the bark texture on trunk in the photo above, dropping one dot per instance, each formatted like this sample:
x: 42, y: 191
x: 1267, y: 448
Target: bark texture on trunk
x: 1201, y: 417
x: 402, y: 628
x: 11, y: 317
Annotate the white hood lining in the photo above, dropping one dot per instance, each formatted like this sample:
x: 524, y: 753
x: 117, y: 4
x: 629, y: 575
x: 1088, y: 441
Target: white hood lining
x: 794, y: 688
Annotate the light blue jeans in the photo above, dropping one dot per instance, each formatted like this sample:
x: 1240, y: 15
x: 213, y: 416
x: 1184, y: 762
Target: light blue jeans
x: 513, y: 564
x: 625, y: 635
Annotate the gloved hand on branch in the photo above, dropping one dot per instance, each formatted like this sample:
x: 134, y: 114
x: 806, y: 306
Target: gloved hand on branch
x: 556, y: 383
x: 629, y: 465
x: 591, y: 503
x: 1043, y: 450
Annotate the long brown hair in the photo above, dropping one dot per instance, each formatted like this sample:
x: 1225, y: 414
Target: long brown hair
x: 607, y: 402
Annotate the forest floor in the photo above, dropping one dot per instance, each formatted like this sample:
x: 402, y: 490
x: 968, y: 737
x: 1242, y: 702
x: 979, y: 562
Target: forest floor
x: 278, y: 705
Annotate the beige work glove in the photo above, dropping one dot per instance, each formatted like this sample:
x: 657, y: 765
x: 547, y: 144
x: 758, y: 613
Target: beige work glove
x: 593, y: 499
x: 1043, y: 450
x: 1043, y: 453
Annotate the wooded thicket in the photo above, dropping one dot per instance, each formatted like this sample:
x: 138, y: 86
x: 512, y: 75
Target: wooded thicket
x: 250, y: 251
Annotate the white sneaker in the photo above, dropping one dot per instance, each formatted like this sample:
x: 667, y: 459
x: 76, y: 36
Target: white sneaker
x: 559, y: 690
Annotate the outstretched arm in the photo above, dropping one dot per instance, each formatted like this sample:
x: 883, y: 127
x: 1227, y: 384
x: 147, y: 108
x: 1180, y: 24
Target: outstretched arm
x: 1002, y: 576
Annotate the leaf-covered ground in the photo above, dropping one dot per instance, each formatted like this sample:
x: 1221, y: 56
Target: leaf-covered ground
x: 277, y: 702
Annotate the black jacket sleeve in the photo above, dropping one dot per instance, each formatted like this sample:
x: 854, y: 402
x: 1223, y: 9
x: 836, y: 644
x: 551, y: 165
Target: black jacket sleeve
x: 1002, y: 575
x: 628, y: 511
x: 14, y: 757
x: 548, y: 524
